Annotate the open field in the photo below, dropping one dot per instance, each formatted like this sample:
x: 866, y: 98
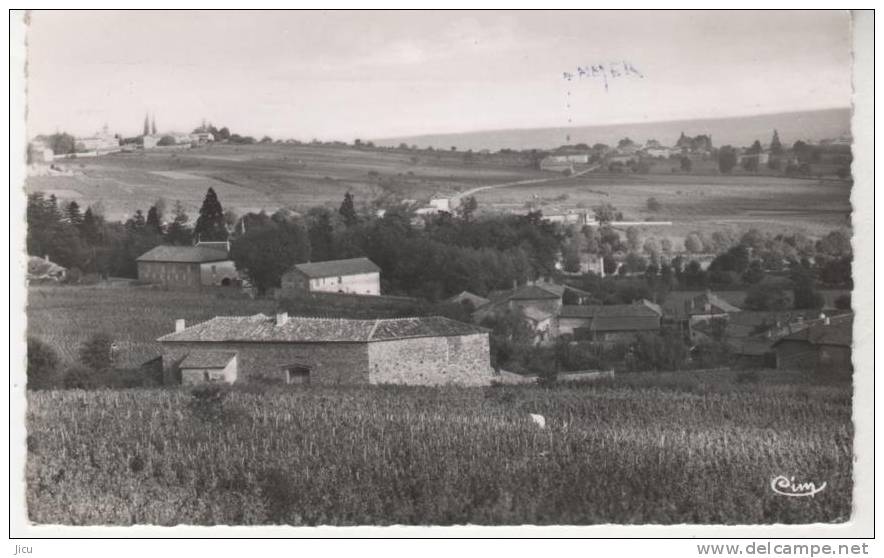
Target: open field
x: 705, y: 203
x: 696, y: 447
x: 251, y: 178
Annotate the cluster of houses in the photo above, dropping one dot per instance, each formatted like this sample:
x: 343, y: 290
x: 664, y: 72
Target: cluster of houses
x: 572, y: 159
x: 436, y: 350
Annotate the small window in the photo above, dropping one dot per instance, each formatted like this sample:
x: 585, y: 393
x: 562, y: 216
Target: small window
x: 297, y: 375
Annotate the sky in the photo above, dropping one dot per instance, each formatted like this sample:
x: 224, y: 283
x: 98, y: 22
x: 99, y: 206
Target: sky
x: 347, y: 74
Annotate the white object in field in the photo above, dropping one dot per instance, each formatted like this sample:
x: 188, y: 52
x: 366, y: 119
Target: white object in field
x: 538, y: 420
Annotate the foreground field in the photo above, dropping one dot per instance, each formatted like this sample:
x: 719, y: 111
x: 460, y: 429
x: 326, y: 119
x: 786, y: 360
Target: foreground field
x: 670, y: 448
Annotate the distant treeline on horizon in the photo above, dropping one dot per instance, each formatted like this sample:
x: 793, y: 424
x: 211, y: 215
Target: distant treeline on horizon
x: 809, y: 126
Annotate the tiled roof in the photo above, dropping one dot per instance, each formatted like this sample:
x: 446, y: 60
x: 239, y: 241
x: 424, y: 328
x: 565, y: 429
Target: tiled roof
x: 718, y: 305
x: 183, y: 254
x: 260, y: 328
x: 335, y: 268
x: 625, y: 323
x: 535, y: 292
x: 207, y: 359
x: 839, y: 331
x: 644, y: 308
x: 475, y: 299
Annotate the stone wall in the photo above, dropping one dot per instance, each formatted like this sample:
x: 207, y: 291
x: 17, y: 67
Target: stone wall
x: 192, y: 376
x: 185, y: 275
x: 214, y: 273
x: 359, y: 283
x: 329, y: 363
x: 460, y: 360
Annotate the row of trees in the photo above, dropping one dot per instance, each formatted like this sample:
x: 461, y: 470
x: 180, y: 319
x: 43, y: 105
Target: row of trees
x: 85, y: 242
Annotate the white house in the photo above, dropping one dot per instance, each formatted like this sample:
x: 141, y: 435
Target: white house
x: 352, y: 276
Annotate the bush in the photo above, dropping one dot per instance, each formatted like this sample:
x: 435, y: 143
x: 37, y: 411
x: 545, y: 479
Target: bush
x: 166, y: 140
x: 42, y: 365
x: 80, y: 377
x: 748, y: 377
x: 97, y: 352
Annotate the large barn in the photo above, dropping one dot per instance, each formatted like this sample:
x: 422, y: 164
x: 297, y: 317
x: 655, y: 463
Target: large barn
x: 352, y: 276
x: 419, y: 351
x: 190, y: 267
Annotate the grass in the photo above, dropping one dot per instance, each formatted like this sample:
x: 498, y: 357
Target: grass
x: 669, y: 448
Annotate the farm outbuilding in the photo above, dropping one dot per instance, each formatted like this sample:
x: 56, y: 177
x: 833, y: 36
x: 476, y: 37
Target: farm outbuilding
x: 418, y: 351
x: 823, y: 347
x: 351, y: 276
x: 616, y: 322
x: 187, y: 267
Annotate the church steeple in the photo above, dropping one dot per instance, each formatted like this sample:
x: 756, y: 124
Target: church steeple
x: 146, y: 125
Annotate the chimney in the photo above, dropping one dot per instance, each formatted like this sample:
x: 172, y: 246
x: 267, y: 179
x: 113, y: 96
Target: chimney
x: 46, y: 257
x: 179, y: 325
x: 827, y: 321
x: 281, y: 318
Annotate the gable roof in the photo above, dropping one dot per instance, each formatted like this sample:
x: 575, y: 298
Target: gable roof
x: 534, y: 292
x: 644, y: 308
x: 296, y: 329
x: 839, y: 332
x: 183, y: 254
x: 717, y: 305
x: 207, y: 359
x: 474, y: 299
x: 334, y: 268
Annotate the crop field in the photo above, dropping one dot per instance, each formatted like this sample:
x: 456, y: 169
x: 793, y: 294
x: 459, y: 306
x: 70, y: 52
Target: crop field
x: 65, y: 317
x: 699, y: 447
x: 705, y: 203
x: 251, y: 178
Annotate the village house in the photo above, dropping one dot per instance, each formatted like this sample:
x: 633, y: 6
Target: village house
x: 610, y: 323
x: 824, y: 347
x: 351, y: 276
x: 102, y: 142
x: 191, y: 267
x: 466, y: 297
x: 539, y: 302
x: 708, y: 306
x: 417, y: 351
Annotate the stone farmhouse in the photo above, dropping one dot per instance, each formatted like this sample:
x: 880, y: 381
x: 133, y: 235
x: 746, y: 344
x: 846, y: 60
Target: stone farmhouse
x: 189, y: 267
x: 353, y: 276
x: 418, y: 351
x: 610, y: 323
x: 823, y: 347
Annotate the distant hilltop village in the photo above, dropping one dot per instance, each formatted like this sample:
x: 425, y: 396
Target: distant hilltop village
x: 44, y: 149
x: 691, y: 153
